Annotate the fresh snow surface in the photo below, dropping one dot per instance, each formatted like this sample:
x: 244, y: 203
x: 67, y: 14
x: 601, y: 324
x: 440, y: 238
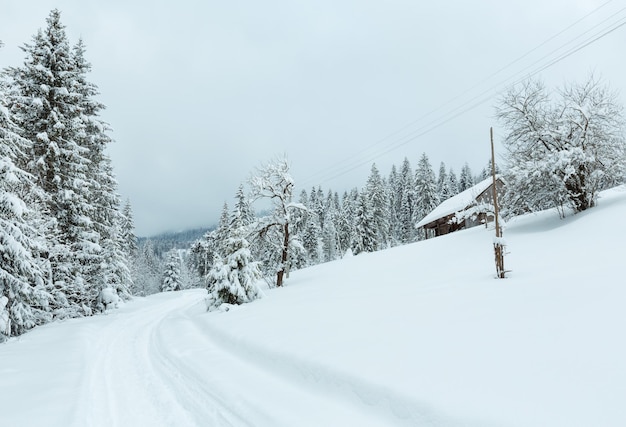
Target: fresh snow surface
x: 457, y: 202
x: 419, y: 335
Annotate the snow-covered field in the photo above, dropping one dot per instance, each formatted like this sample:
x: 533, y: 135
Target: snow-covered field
x: 420, y: 335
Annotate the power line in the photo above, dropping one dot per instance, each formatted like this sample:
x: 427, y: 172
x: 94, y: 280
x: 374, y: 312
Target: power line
x: 472, y: 104
x: 347, y: 165
x: 340, y: 163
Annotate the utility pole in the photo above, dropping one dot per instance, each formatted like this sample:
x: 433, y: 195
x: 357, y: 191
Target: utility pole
x: 498, y: 244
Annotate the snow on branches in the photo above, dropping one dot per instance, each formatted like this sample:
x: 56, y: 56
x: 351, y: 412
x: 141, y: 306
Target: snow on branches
x: 272, y: 181
x: 563, y: 151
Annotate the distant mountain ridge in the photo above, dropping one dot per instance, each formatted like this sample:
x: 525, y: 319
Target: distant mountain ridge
x: 164, y: 242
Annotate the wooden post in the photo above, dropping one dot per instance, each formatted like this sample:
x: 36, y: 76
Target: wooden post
x: 497, y: 245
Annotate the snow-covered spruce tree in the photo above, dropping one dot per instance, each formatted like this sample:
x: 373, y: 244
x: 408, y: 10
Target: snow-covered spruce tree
x: 561, y: 150
x: 427, y: 196
x: 222, y: 231
x: 395, y: 195
x: 274, y: 182
x: 443, y: 184
x: 201, y: 254
x: 127, y: 231
x: 330, y: 237
x: 345, y: 224
x: 147, y: 270
x: 243, y: 205
x: 42, y: 106
x: 113, y: 271
x: 112, y: 268
x: 407, y: 195
x: 195, y: 262
x: 171, y: 273
x: 375, y: 191
x: 365, y: 230
x: 233, y: 277
x: 317, y: 205
x: 466, y: 180
x: 187, y: 277
x: 51, y: 102
x: 24, y: 270
x: 453, y: 183
x: 486, y: 172
x: 312, y: 239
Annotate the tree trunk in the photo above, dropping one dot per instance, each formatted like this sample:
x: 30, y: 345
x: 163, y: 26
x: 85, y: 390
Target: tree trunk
x: 283, y: 258
x: 578, y: 193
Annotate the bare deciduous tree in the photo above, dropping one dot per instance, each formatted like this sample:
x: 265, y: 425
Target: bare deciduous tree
x: 562, y: 151
x: 272, y: 181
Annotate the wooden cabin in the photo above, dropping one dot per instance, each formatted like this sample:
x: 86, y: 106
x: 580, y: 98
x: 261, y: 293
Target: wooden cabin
x: 467, y: 209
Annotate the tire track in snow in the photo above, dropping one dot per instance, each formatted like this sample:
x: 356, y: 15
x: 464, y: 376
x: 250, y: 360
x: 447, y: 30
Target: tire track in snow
x: 161, y: 364
x: 390, y: 405
x: 193, y: 390
x: 257, y: 396
x: 125, y: 383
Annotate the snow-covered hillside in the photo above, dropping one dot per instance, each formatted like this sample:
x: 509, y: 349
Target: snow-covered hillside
x: 419, y: 335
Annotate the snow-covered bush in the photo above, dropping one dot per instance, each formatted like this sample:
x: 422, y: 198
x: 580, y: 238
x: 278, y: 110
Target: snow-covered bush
x: 108, y: 299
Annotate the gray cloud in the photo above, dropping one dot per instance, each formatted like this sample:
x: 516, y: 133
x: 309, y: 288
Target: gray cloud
x: 199, y: 93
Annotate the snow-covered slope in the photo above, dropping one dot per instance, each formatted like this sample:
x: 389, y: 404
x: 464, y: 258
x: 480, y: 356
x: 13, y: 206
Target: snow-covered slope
x: 418, y: 335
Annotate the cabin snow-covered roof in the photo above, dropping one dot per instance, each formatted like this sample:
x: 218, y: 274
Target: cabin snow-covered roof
x: 456, y: 203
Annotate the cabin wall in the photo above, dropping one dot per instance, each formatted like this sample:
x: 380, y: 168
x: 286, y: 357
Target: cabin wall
x: 442, y: 225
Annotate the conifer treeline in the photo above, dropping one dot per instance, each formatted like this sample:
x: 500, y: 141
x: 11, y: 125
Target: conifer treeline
x: 64, y: 237
x: 381, y: 214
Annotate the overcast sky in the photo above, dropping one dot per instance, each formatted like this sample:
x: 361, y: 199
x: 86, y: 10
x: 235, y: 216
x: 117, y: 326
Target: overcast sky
x: 201, y: 92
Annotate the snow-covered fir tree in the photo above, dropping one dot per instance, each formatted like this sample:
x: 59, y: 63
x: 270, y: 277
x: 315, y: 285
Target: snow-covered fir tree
x: 330, y: 245
x: 345, y: 222
x: 127, y: 231
x: 453, y: 183
x: 330, y: 238
x: 406, y: 193
x: 365, y: 230
x: 466, y: 180
x: 393, y: 182
x: 42, y: 106
x: 311, y: 239
x: 427, y: 196
x: 148, y: 271
x: 222, y: 230
x: 443, y: 183
x: 52, y: 104
x: 375, y: 191
x: 106, y: 209
x: 24, y: 269
x: 233, y: 277
x: 203, y: 252
x: 315, y: 205
x: 243, y: 205
x: 171, y: 273
x: 486, y: 171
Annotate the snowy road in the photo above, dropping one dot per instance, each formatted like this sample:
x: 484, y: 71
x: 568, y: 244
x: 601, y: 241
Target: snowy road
x: 156, y: 367
x: 152, y: 364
